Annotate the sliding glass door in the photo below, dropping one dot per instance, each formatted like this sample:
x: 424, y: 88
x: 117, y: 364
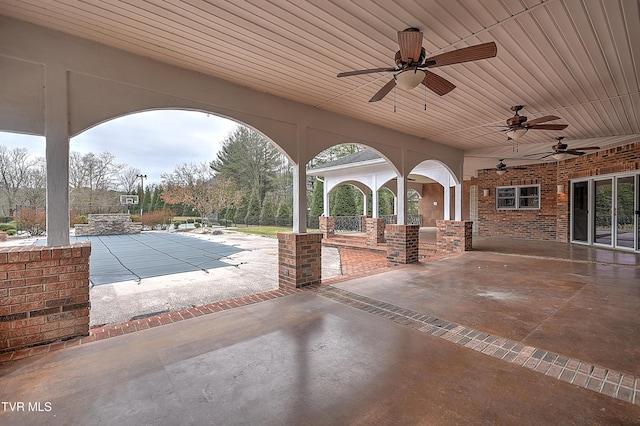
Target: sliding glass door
x: 602, y: 223
x: 625, y: 212
x: 580, y: 212
x: 606, y: 211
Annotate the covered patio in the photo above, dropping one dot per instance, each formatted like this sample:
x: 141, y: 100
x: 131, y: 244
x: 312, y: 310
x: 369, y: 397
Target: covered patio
x: 466, y: 339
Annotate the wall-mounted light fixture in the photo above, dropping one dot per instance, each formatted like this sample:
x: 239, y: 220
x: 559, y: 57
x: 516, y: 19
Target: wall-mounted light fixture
x: 560, y: 189
x: 485, y: 192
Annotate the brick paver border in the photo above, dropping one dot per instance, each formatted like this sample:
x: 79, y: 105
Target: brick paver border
x: 616, y: 384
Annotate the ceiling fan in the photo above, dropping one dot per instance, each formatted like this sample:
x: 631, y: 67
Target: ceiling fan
x: 501, y: 167
x: 411, y: 64
x: 561, y: 150
x: 518, y: 125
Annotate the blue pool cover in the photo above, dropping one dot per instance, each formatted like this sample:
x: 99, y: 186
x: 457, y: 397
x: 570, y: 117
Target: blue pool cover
x: 135, y: 256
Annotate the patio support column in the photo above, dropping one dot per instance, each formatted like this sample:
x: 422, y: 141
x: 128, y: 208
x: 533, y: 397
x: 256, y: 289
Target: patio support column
x: 402, y: 244
x: 374, y: 198
x: 447, y: 202
x: 300, y: 184
x: 458, y: 202
x: 401, y: 197
x: 364, y: 203
x: 325, y: 198
x: 299, y: 260
x: 57, y: 155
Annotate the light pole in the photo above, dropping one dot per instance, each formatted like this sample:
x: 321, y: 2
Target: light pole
x: 142, y: 178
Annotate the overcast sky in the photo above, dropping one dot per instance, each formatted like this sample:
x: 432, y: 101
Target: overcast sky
x: 155, y: 142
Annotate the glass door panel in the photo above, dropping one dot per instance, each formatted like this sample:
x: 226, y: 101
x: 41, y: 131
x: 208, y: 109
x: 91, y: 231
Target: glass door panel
x: 580, y: 212
x: 603, y: 199
x: 625, y: 211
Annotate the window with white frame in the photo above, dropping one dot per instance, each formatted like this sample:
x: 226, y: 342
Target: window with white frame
x: 525, y: 197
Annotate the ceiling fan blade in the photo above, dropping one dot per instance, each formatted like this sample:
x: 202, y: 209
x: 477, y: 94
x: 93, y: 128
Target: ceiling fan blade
x: 585, y: 148
x: 539, y: 153
x: 410, y: 41
x: 369, y: 71
x: 466, y: 54
x: 549, y: 126
x: 574, y: 152
x: 540, y: 120
x: 384, y: 91
x: 437, y: 84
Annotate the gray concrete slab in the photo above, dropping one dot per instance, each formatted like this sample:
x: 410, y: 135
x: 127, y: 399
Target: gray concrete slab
x: 297, y: 360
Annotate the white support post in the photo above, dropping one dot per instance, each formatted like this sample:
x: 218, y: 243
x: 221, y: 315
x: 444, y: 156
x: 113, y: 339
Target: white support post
x: 364, y: 203
x: 447, y: 202
x: 458, y: 202
x: 374, y: 199
x: 57, y: 155
x: 325, y: 198
x: 300, y: 185
x: 401, y: 198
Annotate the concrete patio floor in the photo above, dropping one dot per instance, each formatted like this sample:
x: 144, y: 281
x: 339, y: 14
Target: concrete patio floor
x: 514, y: 332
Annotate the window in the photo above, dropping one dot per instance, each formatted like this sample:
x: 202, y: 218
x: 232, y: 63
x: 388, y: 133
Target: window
x: 518, y: 197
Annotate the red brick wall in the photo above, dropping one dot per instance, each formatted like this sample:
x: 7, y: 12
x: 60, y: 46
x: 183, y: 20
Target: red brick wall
x: 299, y: 260
x: 44, y: 294
x: 402, y: 244
x: 435, y: 192
x: 431, y: 192
x: 453, y: 236
x: 375, y: 230
x: 552, y: 221
x: 327, y: 226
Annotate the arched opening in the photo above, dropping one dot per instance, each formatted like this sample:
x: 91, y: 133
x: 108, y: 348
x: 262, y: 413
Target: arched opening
x: 155, y: 169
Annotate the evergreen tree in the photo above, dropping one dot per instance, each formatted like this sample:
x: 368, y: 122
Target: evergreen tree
x: 344, y: 204
x: 241, y: 210
x: 146, y: 201
x: 250, y: 161
x: 317, y: 202
x: 284, y: 210
x: 268, y: 212
x: 253, y: 209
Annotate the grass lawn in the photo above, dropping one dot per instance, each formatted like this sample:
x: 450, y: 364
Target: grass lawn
x: 266, y: 231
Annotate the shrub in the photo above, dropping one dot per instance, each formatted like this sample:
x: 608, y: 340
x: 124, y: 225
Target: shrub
x: 9, y: 228
x: 32, y: 220
x: 6, y: 219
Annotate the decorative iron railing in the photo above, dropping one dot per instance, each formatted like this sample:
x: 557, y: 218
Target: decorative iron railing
x: 349, y: 224
x: 412, y: 219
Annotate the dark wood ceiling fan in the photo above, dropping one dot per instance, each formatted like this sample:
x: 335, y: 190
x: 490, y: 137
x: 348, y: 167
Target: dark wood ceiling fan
x: 561, y: 151
x: 501, y: 167
x: 518, y: 125
x: 412, y: 65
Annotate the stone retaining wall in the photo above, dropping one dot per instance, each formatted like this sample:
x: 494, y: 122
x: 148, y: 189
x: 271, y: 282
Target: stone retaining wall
x: 109, y: 224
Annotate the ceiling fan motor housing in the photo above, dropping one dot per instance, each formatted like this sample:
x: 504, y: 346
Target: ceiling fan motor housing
x: 516, y: 120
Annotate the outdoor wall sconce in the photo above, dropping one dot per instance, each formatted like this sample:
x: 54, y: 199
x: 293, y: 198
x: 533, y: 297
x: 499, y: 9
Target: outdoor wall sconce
x: 485, y: 192
x: 560, y: 189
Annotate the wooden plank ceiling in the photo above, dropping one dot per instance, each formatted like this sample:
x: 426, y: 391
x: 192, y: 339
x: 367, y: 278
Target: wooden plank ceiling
x: 576, y: 59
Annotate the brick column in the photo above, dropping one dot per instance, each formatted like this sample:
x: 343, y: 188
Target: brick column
x: 44, y: 294
x: 327, y: 226
x: 375, y: 230
x: 453, y: 236
x: 402, y: 244
x: 299, y: 260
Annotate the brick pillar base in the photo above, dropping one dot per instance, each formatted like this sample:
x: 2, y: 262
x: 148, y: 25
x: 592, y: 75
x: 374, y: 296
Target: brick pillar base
x: 375, y: 230
x: 453, y: 236
x: 402, y: 244
x: 327, y: 226
x: 299, y: 260
x: 44, y: 294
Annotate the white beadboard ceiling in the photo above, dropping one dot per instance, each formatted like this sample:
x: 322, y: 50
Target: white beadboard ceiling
x: 577, y: 59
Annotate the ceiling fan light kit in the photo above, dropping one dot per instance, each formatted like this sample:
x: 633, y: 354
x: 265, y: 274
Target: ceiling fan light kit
x: 516, y: 133
x: 411, y: 64
x: 560, y: 156
x: 409, y: 79
x: 501, y: 171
